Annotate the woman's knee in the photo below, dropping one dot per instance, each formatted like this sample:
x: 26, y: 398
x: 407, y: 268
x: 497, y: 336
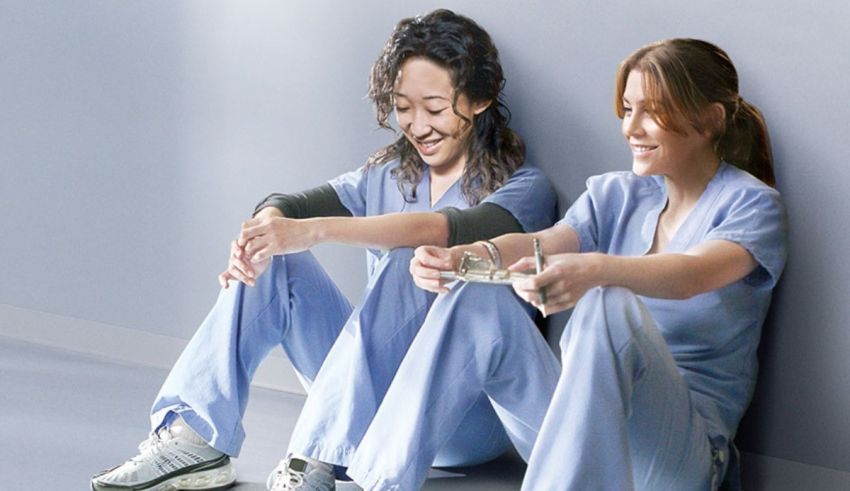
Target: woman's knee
x: 403, y: 254
x: 610, y: 297
x: 394, y: 264
x: 610, y: 313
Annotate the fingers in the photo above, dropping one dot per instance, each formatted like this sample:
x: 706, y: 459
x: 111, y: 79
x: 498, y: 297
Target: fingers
x: 555, y: 307
x: 224, y: 279
x: 252, y: 246
x: 426, y: 278
x: 241, y: 276
x: 556, y: 299
x: 536, y: 282
x: 238, y: 268
x: 250, y: 229
x: 525, y: 264
x: 241, y: 260
x: 426, y: 265
x: 530, y: 295
x: 261, y: 254
x: 419, y: 270
x: 434, y: 257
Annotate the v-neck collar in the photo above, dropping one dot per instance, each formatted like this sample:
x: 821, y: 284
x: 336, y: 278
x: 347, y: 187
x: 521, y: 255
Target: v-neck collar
x: 681, y: 239
x: 450, y: 197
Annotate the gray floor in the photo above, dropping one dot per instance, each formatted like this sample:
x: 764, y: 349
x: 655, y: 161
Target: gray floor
x: 66, y: 416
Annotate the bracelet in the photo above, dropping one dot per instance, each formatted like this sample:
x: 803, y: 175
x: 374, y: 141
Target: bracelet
x: 493, y: 252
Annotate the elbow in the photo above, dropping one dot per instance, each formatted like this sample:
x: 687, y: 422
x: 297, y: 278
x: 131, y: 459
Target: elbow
x: 439, y: 233
x: 691, y: 280
x: 433, y: 231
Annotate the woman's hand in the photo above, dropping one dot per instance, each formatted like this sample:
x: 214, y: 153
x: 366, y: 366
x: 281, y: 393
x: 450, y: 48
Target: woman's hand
x: 239, y: 268
x: 565, y: 278
x: 243, y: 264
x: 267, y: 236
x: 427, y: 264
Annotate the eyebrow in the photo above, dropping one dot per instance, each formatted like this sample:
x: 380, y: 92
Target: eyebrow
x: 427, y: 97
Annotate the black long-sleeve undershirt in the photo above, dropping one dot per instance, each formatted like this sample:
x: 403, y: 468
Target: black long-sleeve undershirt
x: 480, y: 222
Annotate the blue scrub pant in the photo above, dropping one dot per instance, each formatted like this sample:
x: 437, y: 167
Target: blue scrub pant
x: 477, y: 343
x: 346, y: 357
x: 620, y: 418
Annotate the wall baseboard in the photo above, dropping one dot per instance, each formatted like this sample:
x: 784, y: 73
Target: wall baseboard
x: 763, y: 473
x: 123, y: 344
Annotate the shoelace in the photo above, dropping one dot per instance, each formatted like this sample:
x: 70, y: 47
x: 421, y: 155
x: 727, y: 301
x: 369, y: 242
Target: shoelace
x: 153, y: 445
x: 291, y: 481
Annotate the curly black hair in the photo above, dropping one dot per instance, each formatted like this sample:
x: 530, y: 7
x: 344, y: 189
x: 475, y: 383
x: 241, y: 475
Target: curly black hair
x: 461, y: 46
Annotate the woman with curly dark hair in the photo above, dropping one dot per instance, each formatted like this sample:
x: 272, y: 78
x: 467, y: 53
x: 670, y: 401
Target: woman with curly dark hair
x: 454, y: 175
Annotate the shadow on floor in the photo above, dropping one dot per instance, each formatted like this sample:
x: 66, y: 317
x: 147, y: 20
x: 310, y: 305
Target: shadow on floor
x: 502, y: 474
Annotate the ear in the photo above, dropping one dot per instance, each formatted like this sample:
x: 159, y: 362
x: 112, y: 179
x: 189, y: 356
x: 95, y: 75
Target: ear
x: 716, y: 115
x: 480, y: 107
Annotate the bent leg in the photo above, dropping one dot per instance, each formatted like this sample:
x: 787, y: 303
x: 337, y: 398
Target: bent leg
x: 621, y: 417
x: 294, y: 303
x: 476, y: 339
x: 362, y: 362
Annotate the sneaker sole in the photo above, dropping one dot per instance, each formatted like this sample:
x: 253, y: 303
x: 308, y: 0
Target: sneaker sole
x: 217, y: 478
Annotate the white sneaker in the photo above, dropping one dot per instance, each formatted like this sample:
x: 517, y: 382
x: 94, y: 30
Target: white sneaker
x: 172, y: 459
x: 301, y: 474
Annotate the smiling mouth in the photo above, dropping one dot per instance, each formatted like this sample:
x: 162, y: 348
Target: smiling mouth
x: 428, y: 147
x: 640, y: 149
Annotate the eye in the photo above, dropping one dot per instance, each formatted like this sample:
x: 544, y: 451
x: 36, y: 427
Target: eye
x: 627, y: 111
x: 436, y: 112
x: 402, y: 109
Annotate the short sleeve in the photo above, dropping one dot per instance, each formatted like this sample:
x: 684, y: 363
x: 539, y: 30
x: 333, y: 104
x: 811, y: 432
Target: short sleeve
x: 756, y: 220
x: 351, y: 188
x: 582, y: 217
x: 529, y: 197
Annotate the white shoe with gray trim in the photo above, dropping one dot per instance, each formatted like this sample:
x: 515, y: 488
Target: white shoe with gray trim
x: 298, y: 473
x: 169, y: 462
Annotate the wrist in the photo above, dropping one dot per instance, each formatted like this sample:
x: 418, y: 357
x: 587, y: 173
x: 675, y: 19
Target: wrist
x: 318, y: 229
x: 492, y: 252
x: 269, y: 212
x: 601, y: 268
x: 458, y: 251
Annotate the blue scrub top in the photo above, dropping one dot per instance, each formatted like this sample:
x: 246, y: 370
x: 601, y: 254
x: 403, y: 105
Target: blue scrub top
x: 713, y: 336
x: 372, y: 190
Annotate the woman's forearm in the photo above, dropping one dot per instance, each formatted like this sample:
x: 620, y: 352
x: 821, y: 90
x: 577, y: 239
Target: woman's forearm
x: 676, y: 276
x: 553, y: 240
x: 384, y: 231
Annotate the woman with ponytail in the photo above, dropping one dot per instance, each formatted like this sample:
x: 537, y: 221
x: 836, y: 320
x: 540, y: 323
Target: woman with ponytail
x: 454, y: 175
x: 669, y: 269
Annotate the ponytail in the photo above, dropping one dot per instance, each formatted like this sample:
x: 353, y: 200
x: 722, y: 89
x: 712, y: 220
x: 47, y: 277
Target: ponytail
x: 745, y: 143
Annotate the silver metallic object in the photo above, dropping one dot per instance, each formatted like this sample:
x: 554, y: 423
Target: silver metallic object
x: 476, y: 269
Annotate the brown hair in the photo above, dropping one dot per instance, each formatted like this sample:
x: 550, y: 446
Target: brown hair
x: 462, y: 47
x: 681, y: 79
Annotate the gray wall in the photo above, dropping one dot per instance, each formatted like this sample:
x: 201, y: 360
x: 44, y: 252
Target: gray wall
x: 135, y: 137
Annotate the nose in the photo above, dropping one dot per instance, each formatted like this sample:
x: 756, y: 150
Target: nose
x: 632, y: 125
x: 420, y: 126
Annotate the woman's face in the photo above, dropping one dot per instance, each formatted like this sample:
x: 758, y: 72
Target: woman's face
x: 423, y: 106
x: 657, y: 151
